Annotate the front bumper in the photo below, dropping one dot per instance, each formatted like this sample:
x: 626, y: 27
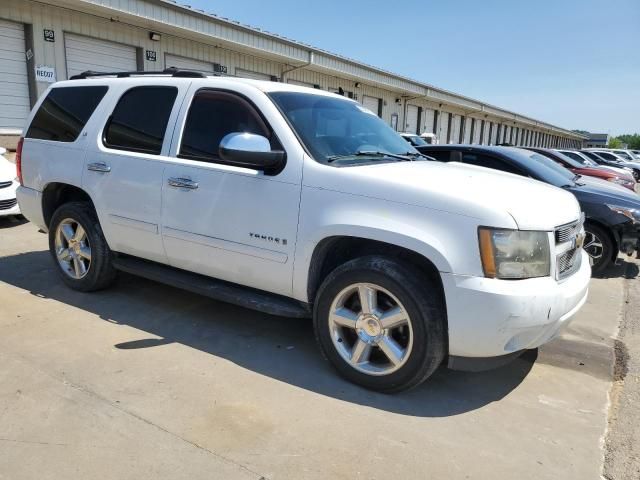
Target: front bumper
x: 8, y: 203
x: 490, y: 317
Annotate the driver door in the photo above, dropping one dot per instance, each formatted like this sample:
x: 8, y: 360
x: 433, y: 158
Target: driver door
x: 229, y: 222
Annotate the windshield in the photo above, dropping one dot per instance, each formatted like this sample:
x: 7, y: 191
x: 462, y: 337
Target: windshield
x: 570, y: 161
x: 415, y: 140
x: 549, y: 171
x: 333, y: 128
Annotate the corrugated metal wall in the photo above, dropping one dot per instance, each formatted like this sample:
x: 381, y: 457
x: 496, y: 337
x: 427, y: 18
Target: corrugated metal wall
x: 237, y: 48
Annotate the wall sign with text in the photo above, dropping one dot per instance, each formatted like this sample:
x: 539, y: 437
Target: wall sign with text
x: 45, y: 73
x: 150, y: 55
x: 49, y: 35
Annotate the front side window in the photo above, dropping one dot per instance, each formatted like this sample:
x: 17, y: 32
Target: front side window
x: 213, y: 115
x: 333, y: 128
x: 140, y: 119
x: 64, y: 113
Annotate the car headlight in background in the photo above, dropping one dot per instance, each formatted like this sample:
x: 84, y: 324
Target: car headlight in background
x: 631, y: 213
x: 514, y: 254
x: 619, y: 181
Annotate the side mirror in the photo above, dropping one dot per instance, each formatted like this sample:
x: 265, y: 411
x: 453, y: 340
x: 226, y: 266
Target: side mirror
x: 250, y: 151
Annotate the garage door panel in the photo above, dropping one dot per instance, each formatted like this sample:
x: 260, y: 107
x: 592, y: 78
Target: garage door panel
x: 14, y: 84
x: 11, y: 67
x: 240, y: 72
x: 411, y: 123
x: 11, y: 46
x: 371, y: 103
x: 187, y: 63
x: 86, y: 53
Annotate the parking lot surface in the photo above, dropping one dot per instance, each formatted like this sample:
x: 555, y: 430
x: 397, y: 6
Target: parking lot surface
x: 147, y: 381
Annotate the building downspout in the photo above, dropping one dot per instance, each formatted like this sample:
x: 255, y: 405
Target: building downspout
x: 304, y: 65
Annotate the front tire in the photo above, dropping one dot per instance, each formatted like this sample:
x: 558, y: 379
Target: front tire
x: 599, y: 247
x: 381, y: 323
x: 79, y: 249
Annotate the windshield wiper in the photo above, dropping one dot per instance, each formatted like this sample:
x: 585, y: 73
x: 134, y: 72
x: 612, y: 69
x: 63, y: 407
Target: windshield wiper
x: 369, y: 153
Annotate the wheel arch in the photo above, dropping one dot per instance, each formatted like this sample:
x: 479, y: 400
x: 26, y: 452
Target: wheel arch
x: 335, y: 250
x: 56, y: 193
x: 613, y: 236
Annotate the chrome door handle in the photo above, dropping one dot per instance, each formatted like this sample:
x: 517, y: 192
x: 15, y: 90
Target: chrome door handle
x: 99, y: 167
x: 180, y: 182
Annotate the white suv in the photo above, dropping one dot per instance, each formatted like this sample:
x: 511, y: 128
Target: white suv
x: 299, y: 202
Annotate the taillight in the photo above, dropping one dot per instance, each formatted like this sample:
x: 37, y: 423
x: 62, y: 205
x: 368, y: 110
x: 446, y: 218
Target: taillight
x: 19, y: 160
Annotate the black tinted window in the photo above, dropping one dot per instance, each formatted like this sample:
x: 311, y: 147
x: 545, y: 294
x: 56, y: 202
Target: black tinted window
x: 489, y: 162
x: 139, y: 121
x: 440, y: 155
x: 64, y: 113
x: 211, y: 117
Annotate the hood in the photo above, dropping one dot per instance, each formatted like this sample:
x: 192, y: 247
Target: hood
x: 494, y: 198
x: 7, y: 170
x: 594, y: 172
x: 595, y: 192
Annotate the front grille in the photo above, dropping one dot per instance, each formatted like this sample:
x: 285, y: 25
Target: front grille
x: 5, y: 184
x: 568, y: 262
x: 567, y: 232
x: 7, y: 204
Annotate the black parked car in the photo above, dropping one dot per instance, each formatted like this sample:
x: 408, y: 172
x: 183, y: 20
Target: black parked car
x: 612, y: 215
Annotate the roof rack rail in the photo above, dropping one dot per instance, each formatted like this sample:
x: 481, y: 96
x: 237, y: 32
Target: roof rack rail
x: 172, y: 71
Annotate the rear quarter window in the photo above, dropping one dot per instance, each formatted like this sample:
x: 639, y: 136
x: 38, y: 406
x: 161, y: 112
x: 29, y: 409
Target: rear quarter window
x: 64, y: 113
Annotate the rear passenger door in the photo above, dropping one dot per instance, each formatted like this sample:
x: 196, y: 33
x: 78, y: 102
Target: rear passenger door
x: 124, y: 165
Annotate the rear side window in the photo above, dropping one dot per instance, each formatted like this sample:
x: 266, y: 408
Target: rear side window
x: 140, y: 119
x: 440, y: 155
x: 64, y: 113
x: 489, y: 162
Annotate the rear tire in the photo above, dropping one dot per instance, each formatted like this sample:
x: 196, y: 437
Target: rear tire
x: 79, y: 249
x: 381, y: 323
x: 599, y: 247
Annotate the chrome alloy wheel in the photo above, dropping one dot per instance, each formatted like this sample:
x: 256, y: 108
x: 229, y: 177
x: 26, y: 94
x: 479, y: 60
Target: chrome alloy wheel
x: 73, y: 250
x: 593, y: 246
x: 370, y: 329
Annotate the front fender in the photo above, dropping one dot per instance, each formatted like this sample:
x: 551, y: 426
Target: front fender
x: 449, y: 241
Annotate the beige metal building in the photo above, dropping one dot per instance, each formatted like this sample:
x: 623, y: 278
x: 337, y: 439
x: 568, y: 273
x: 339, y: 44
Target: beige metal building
x: 45, y: 40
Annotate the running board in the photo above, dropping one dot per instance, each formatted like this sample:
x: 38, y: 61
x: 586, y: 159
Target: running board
x: 213, y: 288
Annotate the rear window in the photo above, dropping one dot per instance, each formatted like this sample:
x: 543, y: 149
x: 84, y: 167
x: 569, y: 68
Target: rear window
x: 140, y: 119
x: 64, y: 113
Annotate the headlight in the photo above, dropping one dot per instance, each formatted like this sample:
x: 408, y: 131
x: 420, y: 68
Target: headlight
x: 631, y: 213
x: 514, y: 254
x: 618, y: 180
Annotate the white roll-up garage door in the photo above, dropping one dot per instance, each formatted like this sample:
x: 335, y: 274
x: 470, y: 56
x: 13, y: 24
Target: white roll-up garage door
x: 300, y: 83
x: 411, y: 122
x: 187, y: 64
x: 14, y: 86
x: 467, y: 131
x: 427, y: 114
x: 455, y: 126
x: 240, y: 72
x: 443, y: 123
x: 371, y: 103
x: 86, y: 53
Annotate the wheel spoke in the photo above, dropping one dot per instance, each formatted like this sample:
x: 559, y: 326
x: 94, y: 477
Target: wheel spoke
x: 360, y: 352
x: 80, y: 234
x: 391, y: 349
x: 67, y: 232
x: 393, y: 318
x: 344, y: 317
x: 79, y: 267
x: 85, y: 252
x: 63, y: 254
x: 368, y: 299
